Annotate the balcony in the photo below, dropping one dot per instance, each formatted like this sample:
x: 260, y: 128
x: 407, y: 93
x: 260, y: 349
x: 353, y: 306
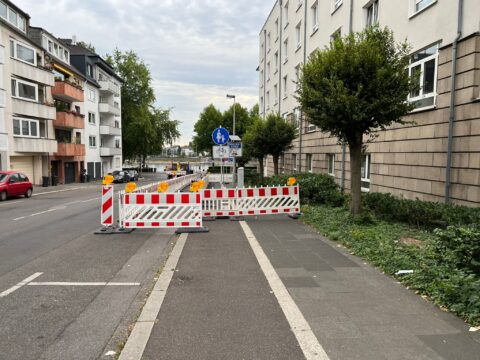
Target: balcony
x: 112, y: 109
x: 33, y: 73
x: 69, y: 120
x: 67, y: 92
x: 34, y: 145
x: 66, y: 149
x: 107, y: 151
x: 109, y: 86
x: 110, y: 130
x: 33, y: 109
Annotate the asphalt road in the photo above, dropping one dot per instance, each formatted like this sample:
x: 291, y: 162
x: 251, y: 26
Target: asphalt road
x: 52, y: 234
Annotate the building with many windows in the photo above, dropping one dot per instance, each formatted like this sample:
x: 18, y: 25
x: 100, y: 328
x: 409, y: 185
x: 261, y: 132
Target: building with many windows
x: 437, y: 156
x: 27, y: 110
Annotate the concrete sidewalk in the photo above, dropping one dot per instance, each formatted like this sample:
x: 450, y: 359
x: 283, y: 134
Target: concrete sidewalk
x: 220, y: 306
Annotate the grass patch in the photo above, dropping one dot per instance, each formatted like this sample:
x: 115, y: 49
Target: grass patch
x: 449, y: 278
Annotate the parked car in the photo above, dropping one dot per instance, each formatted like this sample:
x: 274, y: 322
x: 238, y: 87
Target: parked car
x: 120, y: 177
x: 133, y: 175
x: 13, y: 183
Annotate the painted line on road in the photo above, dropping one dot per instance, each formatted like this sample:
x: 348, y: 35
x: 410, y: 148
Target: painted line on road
x: 60, y: 283
x: 306, y: 338
x: 85, y: 201
x: 42, y: 212
x: 19, y: 218
x: 20, y: 284
x: 59, y: 191
x: 137, y: 341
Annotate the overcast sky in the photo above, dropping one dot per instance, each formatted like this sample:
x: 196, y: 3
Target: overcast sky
x: 197, y: 50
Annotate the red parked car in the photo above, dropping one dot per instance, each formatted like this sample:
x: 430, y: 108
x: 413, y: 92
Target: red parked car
x: 13, y: 183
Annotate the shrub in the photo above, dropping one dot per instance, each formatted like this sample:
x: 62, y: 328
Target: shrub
x: 314, y: 188
x: 420, y: 213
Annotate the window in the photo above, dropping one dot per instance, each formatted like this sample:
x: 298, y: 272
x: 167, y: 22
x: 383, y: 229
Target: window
x: 336, y: 34
x: 285, y: 15
x: 92, y: 141
x: 336, y: 4
x: 422, y: 4
x: 285, y: 83
x: 269, y: 42
x: 298, y: 35
x: 91, y: 118
x: 275, y: 92
x: 261, y: 103
x: 117, y: 143
x: 268, y: 71
x: 296, y: 117
x: 314, y: 12
x: 297, y: 75
x: 277, y: 29
x: 50, y: 46
x: 372, y: 13
x: 25, y: 128
x: 309, y: 163
x: 365, y: 172
x: 423, y: 68
x: 331, y: 164
x: 3, y: 10
x: 12, y: 17
x: 268, y: 99
x: 285, y: 51
x: 24, y: 90
x: 276, y: 61
x: 117, y: 124
x: 91, y: 94
x: 261, y: 79
x: 294, y: 162
x: 23, y: 52
x: 90, y: 70
x: 311, y: 128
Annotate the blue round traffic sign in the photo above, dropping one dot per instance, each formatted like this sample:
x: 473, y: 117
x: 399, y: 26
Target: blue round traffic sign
x: 220, y: 136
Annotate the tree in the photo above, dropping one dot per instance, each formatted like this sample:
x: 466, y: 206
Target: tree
x: 254, y: 143
x: 243, y: 120
x: 278, y: 135
x: 87, y: 46
x: 210, y: 119
x: 146, y: 129
x: 357, y: 86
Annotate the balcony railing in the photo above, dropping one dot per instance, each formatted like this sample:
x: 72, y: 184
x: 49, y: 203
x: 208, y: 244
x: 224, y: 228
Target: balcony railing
x: 69, y: 120
x: 38, y: 74
x: 109, y: 151
x: 110, y: 108
x: 33, y: 109
x: 67, y: 91
x: 34, y: 145
x: 110, y: 130
x: 67, y: 149
x: 109, y: 86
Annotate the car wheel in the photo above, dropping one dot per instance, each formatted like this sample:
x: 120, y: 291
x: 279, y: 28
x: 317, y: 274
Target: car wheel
x: 28, y: 193
x: 3, y: 196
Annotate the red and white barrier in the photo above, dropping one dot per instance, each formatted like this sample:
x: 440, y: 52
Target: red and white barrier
x: 165, y: 210
x: 269, y: 200
x: 219, y: 202
x: 106, y: 215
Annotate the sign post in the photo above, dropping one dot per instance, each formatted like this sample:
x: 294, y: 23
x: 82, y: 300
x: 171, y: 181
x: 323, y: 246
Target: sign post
x: 220, y: 137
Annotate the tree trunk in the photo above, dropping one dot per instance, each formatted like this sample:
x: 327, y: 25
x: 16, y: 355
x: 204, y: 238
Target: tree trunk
x: 260, y: 168
x: 275, y: 164
x: 356, y: 178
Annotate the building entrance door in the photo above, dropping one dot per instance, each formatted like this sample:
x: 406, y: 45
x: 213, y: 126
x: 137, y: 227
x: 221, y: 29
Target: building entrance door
x: 69, y: 172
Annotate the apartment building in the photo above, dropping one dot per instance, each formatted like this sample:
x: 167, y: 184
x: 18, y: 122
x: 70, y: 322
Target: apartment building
x: 27, y: 110
x: 68, y: 94
x: 437, y: 156
x: 102, y: 108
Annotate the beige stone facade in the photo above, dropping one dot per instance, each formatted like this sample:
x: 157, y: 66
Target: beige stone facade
x: 406, y: 160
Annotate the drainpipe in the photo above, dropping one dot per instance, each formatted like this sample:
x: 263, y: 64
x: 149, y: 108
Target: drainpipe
x: 264, y: 71
x: 451, y: 120
x: 300, y: 125
x: 344, y: 146
x: 280, y: 59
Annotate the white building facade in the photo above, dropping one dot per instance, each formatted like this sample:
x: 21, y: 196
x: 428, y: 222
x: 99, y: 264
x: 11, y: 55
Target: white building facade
x: 416, y: 161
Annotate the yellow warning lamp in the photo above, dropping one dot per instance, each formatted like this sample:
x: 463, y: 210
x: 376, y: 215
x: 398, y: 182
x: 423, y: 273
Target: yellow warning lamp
x: 201, y: 184
x: 194, y: 187
x: 178, y: 167
x: 130, y: 187
x: 162, y: 187
x: 291, y: 181
x: 107, y: 180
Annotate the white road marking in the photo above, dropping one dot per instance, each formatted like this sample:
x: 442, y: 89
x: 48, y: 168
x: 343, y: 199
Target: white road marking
x: 42, y: 212
x: 11, y: 202
x: 306, y: 338
x: 19, y: 218
x: 60, y: 283
x: 20, y: 284
x: 59, y: 191
x: 137, y: 341
x: 85, y: 201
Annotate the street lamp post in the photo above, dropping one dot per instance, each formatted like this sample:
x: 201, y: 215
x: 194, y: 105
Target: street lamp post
x: 234, y: 159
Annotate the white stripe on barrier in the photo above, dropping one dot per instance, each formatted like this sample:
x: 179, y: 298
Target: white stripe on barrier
x: 219, y: 202
x: 265, y: 201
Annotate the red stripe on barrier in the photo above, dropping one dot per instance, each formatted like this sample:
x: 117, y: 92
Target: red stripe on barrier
x: 140, y: 224
x: 155, y: 198
x: 207, y: 194
x: 155, y: 224
x: 140, y: 199
x: 239, y: 193
x: 287, y: 210
x: 231, y: 213
x: 297, y: 210
x: 261, y: 192
x: 107, y: 205
x: 231, y: 194
x: 105, y: 190
x: 185, y: 223
x: 207, y: 214
x: 219, y: 213
x: 241, y: 212
x: 127, y: 224
x: 250, y: 192
x: 127, y: 199
x: 170, y: 224
x: 109, y: 221
x: 219, y: 193
x: 296, y: 190
x: 274, y: 192
x: 198, y: 224
x: 263, y: 211
x: 286, y: 191
x: 170, y: 199
x: 185, y: 198
x: 199, y: 199
x: 251, y: 212
x: 274, y: 211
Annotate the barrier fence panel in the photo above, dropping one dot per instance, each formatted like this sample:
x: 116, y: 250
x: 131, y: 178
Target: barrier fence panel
x: 219, y: 202
x: 269, y: 200
x: 165, y: 210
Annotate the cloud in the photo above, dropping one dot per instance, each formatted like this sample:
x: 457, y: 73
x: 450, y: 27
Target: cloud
x: 196, y: 50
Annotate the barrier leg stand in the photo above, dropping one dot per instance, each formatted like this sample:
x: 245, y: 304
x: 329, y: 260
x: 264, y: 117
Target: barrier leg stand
x: 187, y: 230
x: 295, y: 216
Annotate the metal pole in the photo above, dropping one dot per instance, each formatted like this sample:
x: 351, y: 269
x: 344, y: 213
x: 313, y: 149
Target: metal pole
x: 234, y: 158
